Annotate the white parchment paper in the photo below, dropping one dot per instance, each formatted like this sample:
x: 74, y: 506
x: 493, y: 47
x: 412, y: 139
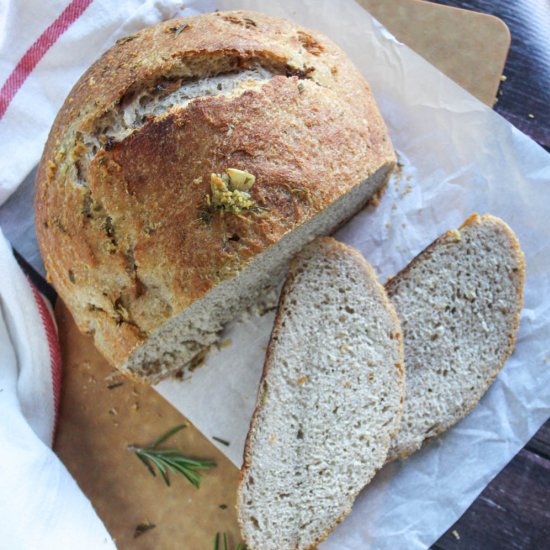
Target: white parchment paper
x: 459, y: 157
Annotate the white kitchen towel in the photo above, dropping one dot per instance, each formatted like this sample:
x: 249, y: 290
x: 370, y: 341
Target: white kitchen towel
x: 41, y: 506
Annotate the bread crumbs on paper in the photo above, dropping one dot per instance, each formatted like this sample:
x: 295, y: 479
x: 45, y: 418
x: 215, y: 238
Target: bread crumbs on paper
x: 406, y: 191
x: 375, y: 199
x: 225, y: 343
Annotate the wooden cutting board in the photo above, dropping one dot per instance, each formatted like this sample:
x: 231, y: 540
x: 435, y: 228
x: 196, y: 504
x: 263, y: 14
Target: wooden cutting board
x: 102, y: 412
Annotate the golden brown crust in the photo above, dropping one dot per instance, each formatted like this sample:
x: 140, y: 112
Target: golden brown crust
x: 122, y: 237
x: 450, y: 236
x: 348, y: 250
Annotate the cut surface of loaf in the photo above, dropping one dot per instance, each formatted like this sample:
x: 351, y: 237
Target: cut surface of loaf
x: 459, y: 305
x: 128, y: 230
x: 329, y: 401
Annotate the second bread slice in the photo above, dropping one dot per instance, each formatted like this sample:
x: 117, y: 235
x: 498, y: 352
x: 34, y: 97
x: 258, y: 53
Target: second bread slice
x: 459, y: 304
x: 330, y: 400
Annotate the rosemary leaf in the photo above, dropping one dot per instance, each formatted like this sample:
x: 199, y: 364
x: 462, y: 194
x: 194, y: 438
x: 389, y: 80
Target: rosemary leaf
x: 160, y: 467
x: 167, y: 435
x: 239, y: 546
x: 191, y: 476
x: 147, y: 463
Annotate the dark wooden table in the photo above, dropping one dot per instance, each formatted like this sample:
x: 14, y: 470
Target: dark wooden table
x: 513, y: 512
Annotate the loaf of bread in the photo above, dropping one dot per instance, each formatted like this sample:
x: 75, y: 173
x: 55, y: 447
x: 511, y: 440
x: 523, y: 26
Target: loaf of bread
x: 187, y: 166
x: 459, y: 304
x: 329, y: 402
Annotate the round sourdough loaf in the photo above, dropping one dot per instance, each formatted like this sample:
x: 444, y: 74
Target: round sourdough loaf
x: 151, y: 253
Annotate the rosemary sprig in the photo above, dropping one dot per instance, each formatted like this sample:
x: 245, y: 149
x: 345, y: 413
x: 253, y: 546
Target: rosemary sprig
x: 170, y: 460
x: 239, y: 546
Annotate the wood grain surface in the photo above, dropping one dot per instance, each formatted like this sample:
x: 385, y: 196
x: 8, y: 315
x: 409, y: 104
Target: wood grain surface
x: 453, y: 48
x: 524, y: 94
x: 511, y: 513
x: 98, y: 421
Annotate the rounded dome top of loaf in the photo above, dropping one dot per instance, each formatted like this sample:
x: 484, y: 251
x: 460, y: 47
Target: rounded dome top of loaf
x: 127, y: 221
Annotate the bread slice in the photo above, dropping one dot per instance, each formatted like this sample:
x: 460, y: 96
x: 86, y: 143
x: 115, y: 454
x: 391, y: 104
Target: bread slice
x: 459, y: 304
x: 329, y: 403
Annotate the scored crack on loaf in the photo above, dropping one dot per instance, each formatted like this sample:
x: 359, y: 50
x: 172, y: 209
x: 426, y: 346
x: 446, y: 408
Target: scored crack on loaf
x: 128, y: 236
x: 459, y: 304
x: 329, y: 401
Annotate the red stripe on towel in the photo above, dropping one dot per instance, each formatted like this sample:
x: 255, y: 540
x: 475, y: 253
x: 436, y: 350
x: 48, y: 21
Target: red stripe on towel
x: 53, y: 345
x: 36, y: 52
